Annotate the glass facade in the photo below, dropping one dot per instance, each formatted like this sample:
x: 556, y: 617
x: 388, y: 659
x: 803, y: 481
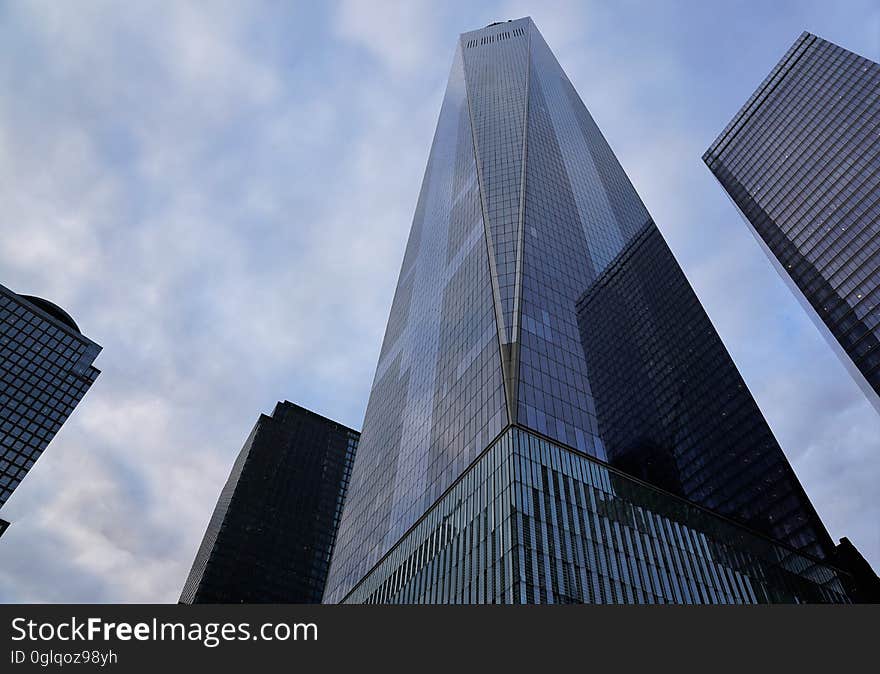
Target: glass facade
x: 534, y: 522
x: 45, y: 370
x: 438, y: 393
x: 272, y: 532
x: 802, y: 163
x: 672, y: 407
x: 523, y: 209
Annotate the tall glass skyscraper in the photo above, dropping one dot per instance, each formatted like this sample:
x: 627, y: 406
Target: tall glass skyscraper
x: 500, y: 460
x: 801, y: 160
x: 671, y: 406
x: 45, y: 370
x: 272, y: 532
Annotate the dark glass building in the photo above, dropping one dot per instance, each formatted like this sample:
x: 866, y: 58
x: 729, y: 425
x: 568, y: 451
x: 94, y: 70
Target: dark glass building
x: 498, y: 462
x: 865, y: 583
x: 801, y: 160
x: 671, y: 406
x: 273, y: 529
x: 45, y: 370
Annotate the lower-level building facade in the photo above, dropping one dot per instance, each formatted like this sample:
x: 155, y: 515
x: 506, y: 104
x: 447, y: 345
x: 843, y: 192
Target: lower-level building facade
x: 272, y: 532
x: 532, y: 521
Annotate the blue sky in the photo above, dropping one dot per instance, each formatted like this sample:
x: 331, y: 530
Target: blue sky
x: 220, y: 194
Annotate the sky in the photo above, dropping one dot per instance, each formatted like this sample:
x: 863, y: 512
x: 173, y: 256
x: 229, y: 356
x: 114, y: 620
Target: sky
x: 220, y: 193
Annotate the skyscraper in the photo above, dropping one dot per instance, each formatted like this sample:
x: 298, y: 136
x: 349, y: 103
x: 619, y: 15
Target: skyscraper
x: 485, y: 471
x: 273, y: 529
x: 46, y: 369
x: 671, y: 406
x: 801, y: 160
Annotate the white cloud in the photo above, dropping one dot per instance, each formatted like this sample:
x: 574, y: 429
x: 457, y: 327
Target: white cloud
x: 402, y: 35
x: 222, y: 241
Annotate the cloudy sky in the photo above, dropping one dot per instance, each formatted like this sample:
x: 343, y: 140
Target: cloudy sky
x: 220, y: 194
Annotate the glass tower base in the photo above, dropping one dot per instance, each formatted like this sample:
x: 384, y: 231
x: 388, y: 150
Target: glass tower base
x: 533, y: 522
